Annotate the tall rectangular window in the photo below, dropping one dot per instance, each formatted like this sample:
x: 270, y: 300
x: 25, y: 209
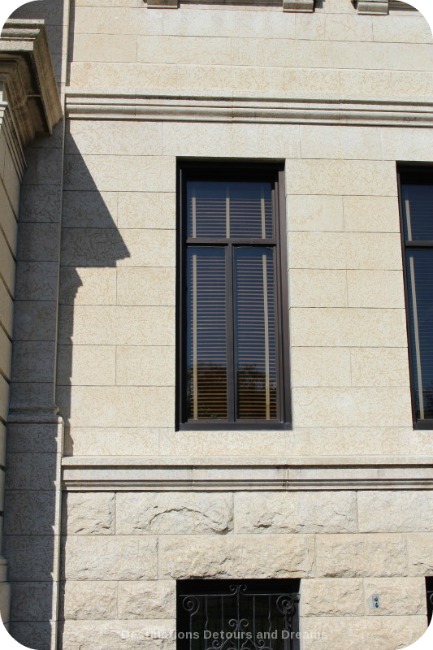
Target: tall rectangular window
x: 416, y: 199
x: 232, y: 285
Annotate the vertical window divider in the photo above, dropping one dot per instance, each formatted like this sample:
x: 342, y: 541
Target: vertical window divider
x: 231, y: 379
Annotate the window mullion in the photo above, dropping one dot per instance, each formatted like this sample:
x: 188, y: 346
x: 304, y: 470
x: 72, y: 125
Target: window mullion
x: 231, y: 387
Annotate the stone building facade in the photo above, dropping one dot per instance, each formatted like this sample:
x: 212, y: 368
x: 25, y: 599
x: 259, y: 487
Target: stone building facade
x: 110, y: 499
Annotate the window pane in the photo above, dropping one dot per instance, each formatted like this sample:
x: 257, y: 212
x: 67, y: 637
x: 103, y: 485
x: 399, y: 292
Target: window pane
x: 206, y: 326
x: 417, y: 204
x: 420, y: 289
x: 255, y: 341
x: 229, y: 209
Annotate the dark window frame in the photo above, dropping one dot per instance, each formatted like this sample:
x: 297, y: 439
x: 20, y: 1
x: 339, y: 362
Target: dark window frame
x: 429, y: 595
x: 286, y: 591
x: 235, y: 170
x: 418, y: 173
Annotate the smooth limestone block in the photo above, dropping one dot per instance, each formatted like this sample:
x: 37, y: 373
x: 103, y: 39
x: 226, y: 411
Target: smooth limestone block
x: 395, y: 29
x: 8, y: 220
x: 295, y: 512
x: 147, y: 600
x: 7, y: 264
x: 86, y: 365
x: 332, y: 597
x: 173, y: 514
x: 117, y: 138
x: 93, y: 247
x: 314, y: 213
x: 341, y: 177
x: 122, y: 325
x: 381, y: 289
x: 398, y: 596
x: 146, y: 286
x: 407, y: 144
x: 89, y: 600
x: 236, y: 556
x: 129, y: 406
x: 106, y: 557
x: 119, y: 635
x: 320, y: 367
x: 383, y: 56
x: 317, y: 288
x: 385, y: 85
x: 345, y: 27
x: 379, y: 367
x: 334, y: 142
x: 112, y: 442
x: 89, y: 513
x: 147, y: 210
x: 5, y: 354
x: 104, y: 47
x: 181, y: 49
x: 348, y: 327
x: 87, y: 286
x: 371, y: 214
x: 354, y: 406
x: 152, y: 248
x: 359, y: 555
x: 359, y: 441
x: 120, y: 173
x: 145, y: 366
x: 89, y: 209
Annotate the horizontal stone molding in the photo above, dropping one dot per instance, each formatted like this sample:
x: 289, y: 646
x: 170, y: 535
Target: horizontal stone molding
x: 176, y: 108
x: 288, y: 5
x: 380, y: 7
x: 321, y: 473
x: 27, y: 74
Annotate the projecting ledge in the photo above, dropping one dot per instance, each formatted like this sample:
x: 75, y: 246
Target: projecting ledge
x: 380, y: 7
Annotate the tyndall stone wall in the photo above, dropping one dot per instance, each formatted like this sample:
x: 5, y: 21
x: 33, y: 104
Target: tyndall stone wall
x: 124, y: 552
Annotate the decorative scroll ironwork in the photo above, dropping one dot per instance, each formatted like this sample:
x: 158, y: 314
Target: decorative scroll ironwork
x: 238, y: 615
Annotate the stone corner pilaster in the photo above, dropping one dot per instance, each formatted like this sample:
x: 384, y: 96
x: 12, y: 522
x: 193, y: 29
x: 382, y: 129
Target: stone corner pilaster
x: 298, y: 5
x: 377, y: 7
x: 27, y: 76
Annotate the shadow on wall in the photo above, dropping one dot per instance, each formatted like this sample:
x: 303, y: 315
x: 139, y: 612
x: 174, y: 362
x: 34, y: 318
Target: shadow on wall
x: 91, y: 247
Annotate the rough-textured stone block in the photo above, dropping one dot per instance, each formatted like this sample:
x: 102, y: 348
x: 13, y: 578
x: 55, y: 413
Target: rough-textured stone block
x: 31, y: 558
x: 329, y: 597
x: 38, y: 242
x: 379, y: 367
x: 145, y: 366
x: 89, y: 600
x: 30, y: 512
x: 32, y: 470
x: 314, y: 213
x: 37, y: 281
x: 147, y: 600
x: 371, y: 214
x: 31, y: 601
x: 119, y: 635
x: 94, y: 247
x: 352, y: 556
x: 236, y: 556
x: 86, y: 365
x: 40, y: 203
x: 35, y: 320
x: 110, y: 558
x: 33, y: 361
x: 151, y: 248
x: 89, y: 513
x: 173, y: 514
x: 398, y: 596
x: 317, y: 288
x: 420, y: 547
x: 395, y: 511
x: 380, y: 289
x: 295, y: 512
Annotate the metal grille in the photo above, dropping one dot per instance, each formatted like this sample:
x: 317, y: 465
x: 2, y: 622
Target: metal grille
x: 238, y: 615
x: 429, y: 589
